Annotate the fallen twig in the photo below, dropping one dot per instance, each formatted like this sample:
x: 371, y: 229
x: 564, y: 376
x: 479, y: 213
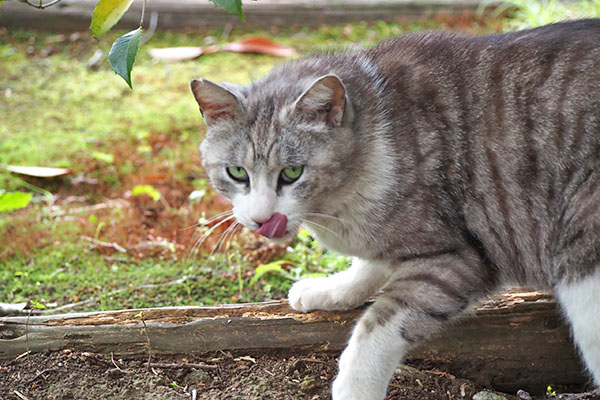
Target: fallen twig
x: 165, y: 244
x: 40, y: 374
x: 314, y: 360
x: 116, y: 259
x: 141, y: 316
x: 112, y: 358
x: 13, y: 309
x: 94, y: 300
x: 41, y: 6
x: 183, y: 365
x: 22, y: 355
x: 593, y: 395
x: 21, y: 395
x: 58, y: 212
x: 100, y: 243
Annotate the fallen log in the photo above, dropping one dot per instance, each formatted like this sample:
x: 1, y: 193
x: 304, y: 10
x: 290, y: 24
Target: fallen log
x: 514, y: 341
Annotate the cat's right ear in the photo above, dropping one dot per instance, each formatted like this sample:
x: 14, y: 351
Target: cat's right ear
x: 217, y: 104
x: 325, y: 99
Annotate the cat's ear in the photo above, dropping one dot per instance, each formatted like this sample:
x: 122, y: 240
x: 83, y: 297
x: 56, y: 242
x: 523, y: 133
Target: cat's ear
x: 325, y: 98
x: 216, y: 103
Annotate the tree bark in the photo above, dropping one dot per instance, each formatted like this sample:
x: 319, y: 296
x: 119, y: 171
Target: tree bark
x: 513, y: 341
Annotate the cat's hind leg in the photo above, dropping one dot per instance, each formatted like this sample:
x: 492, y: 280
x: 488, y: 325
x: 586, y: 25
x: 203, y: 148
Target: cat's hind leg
x: 577, y: 268
x: 580, y: 300
x: 342, y: 291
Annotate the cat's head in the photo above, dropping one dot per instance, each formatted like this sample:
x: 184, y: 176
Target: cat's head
x: 277, y: 152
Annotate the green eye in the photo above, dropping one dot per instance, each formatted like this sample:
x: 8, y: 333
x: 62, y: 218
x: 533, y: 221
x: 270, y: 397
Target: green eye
x: 291, y: 174
x: 238, y: 174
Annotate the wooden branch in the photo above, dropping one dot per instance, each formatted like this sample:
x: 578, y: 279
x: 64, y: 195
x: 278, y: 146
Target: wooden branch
x: 514, y: 341
x: 95, y: 300
x: 41, y: 6
x: 11, y: 309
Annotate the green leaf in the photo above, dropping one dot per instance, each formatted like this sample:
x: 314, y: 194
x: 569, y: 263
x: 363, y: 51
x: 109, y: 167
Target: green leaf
x: 232, y: 7
x: 106, y: 157
x: 35, y: 304
x: 14, y: 201
x: 106, y: 14
x: 122, y: 54
x: 147, y: 190
x: 274, y: 266
x: 197, y: 195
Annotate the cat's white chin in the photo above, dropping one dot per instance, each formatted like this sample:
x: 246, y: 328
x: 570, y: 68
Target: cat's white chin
x: 289, y: 234
x: 285, y: 238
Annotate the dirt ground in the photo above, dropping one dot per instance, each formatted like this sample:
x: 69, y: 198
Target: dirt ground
x: 216, y: 376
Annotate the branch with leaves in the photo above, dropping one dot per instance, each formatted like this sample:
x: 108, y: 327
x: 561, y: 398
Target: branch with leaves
x: 40, y: 4
x: 124, y: 50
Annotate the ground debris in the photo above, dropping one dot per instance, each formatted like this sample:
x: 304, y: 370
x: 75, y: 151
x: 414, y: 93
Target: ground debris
x: 490, y: 395
x: 251, y: 375
x: 247, y: 375
x: 593, y: 395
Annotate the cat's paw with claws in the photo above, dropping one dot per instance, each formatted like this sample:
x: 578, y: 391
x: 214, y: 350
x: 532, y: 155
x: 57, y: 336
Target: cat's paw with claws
x: 320, y: 294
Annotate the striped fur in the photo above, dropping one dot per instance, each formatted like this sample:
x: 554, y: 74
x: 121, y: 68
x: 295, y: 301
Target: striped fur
x: 451, y: 165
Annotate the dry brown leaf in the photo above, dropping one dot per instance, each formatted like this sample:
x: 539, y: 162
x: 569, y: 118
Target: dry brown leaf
x: 174, y: 54
x: 40, y: 172
x: 260, y: 45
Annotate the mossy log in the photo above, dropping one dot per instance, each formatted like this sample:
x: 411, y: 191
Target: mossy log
x: 514, y: 341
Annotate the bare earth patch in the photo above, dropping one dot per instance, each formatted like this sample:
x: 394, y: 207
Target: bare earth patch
x: 215, y: 376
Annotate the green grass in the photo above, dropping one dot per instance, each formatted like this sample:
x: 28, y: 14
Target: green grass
x: 56, y: 112
x: 60, y: 112
x: 66, y: 270
x: 50, y: 279
x: 528, y: 13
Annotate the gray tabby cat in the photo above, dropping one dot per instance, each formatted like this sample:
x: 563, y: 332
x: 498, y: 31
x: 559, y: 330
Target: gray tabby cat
x: 446, y: 164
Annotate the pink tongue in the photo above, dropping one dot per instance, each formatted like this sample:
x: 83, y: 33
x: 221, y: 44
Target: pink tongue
x: 274, y: 227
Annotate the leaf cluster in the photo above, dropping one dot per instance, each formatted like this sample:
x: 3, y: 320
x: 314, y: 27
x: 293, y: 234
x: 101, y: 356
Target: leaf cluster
x: 10, y: 201
x: 124, y: 50
x: 305, y: 258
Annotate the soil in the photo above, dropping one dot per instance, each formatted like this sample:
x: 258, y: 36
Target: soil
x: 216, y: 376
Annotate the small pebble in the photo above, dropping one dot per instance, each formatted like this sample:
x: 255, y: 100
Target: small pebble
x: 524, y: 395
x: 485, y: 395
x: 114, y: 373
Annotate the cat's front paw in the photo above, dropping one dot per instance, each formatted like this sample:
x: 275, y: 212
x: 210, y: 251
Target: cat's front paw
x: 355, y: 379
x: 345, y: 387
x: 315, y: 294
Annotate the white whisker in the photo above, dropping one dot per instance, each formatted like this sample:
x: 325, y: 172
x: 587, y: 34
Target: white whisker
x: 205, y: 236
x: 222, y: 238
x: 306, y: 221
x: 232, y: 233
x: 321, y: 215
x: 208, y: 221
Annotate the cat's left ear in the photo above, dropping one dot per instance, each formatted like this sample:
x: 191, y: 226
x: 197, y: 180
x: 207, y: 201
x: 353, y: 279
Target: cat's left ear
x: 216, y: 102
x: 325, y: 98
